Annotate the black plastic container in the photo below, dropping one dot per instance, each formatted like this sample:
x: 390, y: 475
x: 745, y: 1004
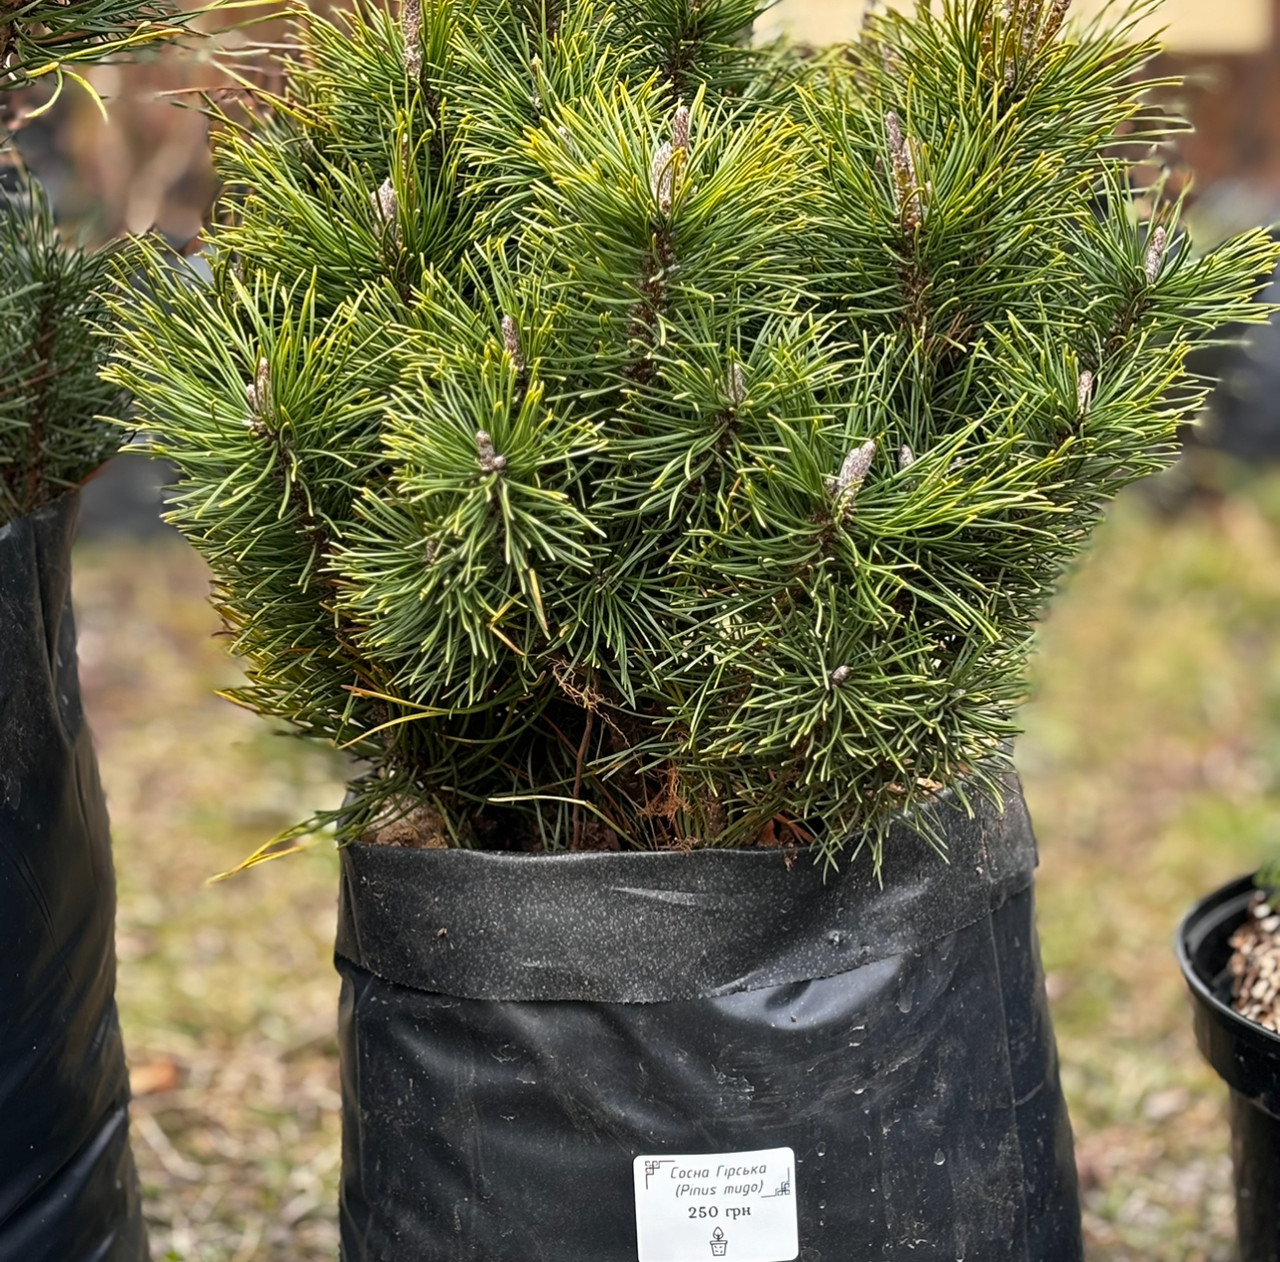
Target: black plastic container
x: 1246, y: 1057
x: 68, y: 1189
x: 529, y: 1041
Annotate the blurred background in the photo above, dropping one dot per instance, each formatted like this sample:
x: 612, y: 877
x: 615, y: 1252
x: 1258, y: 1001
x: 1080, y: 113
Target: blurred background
x: 1151, y: 756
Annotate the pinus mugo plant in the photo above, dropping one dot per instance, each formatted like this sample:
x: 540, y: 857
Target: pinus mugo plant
x: 617, y: 435
x: 52, y: 398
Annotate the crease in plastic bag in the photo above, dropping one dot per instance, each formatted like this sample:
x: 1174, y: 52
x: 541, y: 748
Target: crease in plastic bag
x: 68, y: 1187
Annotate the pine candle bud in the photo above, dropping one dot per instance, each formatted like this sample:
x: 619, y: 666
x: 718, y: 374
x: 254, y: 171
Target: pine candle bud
x: 386, y: 206
x: 662, y: 177
x: 905, y: 183
x: 511, y: 343
x: 853, y: 473
x: 411, y: 27
x: 258, y: 394
x: 736, y: 385
x: 1155, y: 255
x: 489, y: 460
x: 839, y: 675
x: 1084, y: 393
x: 906, y: 457
x: 680, y: 128
x: 662, y: 171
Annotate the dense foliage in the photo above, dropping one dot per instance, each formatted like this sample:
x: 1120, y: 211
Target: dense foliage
x: 52, y: 399
x: 52, y: 434
x: 616, y: 435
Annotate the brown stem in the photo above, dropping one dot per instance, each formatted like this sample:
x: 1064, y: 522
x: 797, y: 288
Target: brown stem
x: 577, y: 782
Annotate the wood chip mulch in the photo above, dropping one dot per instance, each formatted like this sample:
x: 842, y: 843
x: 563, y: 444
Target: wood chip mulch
x: 1255, y: 965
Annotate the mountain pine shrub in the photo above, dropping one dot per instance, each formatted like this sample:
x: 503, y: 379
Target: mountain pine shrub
x: 52, y: 296
x: 615, y: 435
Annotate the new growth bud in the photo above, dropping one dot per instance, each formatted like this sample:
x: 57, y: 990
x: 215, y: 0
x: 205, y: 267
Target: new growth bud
x: 857, y: 464
x: 906, y: 457
x: 258, y: 395
x: 905, y: 183
x: 386, y: 207
x: 411, y: 28
x: 735, y: 386
x: 511, y: 343
x: 489, y: 460
x: 1084, y: 393
x: 680, y: 128
x: 662, y: 170
x: 839, y: 675
x: 662, y: 177
x: 1154, y: 263
x: 853, y: 473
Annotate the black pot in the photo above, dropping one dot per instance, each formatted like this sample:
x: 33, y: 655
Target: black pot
x: 1247, y: 1058
x: 68, y: 1188
x: 556, y: 1057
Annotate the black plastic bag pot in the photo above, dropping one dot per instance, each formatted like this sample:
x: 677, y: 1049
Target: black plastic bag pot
x: 605, y: 1057
x: 1246, y: 1057
x: 68, y: 1188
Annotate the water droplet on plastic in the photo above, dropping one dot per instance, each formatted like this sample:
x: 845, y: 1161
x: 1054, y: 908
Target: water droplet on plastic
x: 821, y: 1150
x: 905, y: 1001
x: 835, y: 937
x: 939, y: 1158
x: 858, y: 1090
x: 822, y: 1205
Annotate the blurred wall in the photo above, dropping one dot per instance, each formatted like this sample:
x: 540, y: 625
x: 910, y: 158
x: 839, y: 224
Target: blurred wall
x: 1228, y: 53
x: 1198, y: 26
x: 150, y: 167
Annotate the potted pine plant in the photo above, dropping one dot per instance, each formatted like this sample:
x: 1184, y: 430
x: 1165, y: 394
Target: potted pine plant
x: 68, y: 1187
x: 648, y: 455
x: 1229, y: 949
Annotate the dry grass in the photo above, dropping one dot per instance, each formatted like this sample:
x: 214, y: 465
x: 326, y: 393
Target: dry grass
x: 227, y: 992
x: 1150, y: 763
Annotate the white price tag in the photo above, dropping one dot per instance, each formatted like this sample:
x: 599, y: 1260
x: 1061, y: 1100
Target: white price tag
x: 735, y: 1205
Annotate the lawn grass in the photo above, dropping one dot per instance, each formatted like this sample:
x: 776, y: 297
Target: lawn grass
x: 1150, y: 763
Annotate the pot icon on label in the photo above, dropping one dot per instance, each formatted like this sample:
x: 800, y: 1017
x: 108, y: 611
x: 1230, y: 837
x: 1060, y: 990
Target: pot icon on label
x: 719, y: 1245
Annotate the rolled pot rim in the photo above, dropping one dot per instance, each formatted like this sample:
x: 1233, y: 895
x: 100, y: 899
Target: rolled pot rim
x: 1198, y: 984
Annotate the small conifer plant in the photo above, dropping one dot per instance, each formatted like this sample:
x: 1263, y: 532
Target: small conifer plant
x: 618, y: 435
x: 52, y: 296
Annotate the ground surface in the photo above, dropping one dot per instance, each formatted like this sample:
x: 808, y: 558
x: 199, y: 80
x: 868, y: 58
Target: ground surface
x: 1152, y: 765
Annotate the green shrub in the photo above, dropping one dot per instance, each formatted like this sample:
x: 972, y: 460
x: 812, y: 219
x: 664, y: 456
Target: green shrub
x: 616, y: 435
x: 52, y: 303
